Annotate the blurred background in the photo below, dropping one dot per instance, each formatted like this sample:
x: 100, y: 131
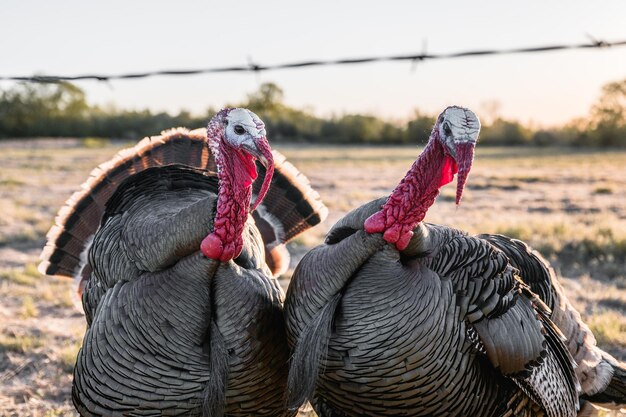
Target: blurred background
x: 550, y: 168
x: 543, y: 98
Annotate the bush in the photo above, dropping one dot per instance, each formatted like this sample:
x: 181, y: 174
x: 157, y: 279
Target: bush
x: 504, y: 132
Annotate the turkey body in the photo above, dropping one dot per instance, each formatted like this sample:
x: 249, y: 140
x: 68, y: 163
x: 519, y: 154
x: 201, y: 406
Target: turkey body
x: 171, y: 331
x: 408, y: 358
x: 165, y: 321
x: 443, y: 328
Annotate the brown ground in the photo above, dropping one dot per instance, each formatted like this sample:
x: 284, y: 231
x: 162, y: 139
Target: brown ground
x: 569, y: 204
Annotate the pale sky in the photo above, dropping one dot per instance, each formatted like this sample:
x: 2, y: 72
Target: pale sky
x: 71, y: 37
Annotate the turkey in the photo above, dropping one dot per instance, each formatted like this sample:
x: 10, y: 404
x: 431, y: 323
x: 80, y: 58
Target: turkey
x: 392, y: 316
x: 183, y: 314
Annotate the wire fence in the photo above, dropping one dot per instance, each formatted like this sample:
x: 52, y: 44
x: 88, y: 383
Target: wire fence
x: 253, y: 67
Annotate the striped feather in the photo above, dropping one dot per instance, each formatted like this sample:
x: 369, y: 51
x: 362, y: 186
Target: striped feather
x: 601, y: 376
x: 535, y: 270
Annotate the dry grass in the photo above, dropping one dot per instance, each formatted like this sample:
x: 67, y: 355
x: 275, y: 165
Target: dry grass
x: 568, y: 203
x: 19, y: 343
x: 609, y: 328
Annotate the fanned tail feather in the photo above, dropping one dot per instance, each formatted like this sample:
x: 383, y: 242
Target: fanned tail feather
x: 291, y: 200
x: 77, y: 221
x: 290, y: 207
x: 534, y: 269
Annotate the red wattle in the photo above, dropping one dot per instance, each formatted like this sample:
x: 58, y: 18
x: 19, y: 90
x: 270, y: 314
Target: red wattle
x: 465, y: 154
x: 264, y: 147
x: 392, y: 235
x: 404, y: 240
x: 248, y: 166
x: 228, y: 253
x: 450, y: 168
x: 211, y: 247
x: 375, y: 223
x: 236, y: 172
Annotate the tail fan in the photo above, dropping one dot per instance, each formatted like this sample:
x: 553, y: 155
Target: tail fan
x: 77, y: 221
x: 290, y: 201
x: 290, y: 207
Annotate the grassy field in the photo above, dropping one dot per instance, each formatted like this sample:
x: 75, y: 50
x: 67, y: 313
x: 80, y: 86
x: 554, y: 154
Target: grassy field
x: 569, y: 204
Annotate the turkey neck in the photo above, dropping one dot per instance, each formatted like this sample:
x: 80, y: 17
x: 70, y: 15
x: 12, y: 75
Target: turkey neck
x: 419, y: 188
x: 409, y: 201
x: 233, y: 201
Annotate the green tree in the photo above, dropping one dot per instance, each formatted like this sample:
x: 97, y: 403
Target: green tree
x: 267, y: 99
x: 30, y: 109
x: 608, y: 116
x: 283, y: 122
x: 61, y: 109
x: 505, y: 133
x: 419, y: 127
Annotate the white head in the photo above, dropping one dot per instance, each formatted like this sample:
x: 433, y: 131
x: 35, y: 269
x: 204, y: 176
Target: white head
x: 457, y: 125
x: 457, y: 129
x: 243, y: 129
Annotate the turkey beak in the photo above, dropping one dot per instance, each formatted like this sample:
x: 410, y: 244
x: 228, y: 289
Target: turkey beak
x: 464, y: 156
x: 261, y: 150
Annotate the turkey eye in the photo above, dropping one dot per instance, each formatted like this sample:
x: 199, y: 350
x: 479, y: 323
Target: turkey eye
x: 239, y: 130
x: 446, y: 129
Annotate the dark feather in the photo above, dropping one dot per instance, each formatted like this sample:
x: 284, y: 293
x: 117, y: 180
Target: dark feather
x: 445, y: 328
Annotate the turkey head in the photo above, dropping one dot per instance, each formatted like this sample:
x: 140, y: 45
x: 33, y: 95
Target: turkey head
x: 450, y: 150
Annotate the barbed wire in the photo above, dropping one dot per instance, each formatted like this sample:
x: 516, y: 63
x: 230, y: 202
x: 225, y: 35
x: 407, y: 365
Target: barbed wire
x: 253, y: 67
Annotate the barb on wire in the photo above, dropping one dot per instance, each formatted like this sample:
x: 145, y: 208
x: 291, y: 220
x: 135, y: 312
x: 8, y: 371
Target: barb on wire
x: 253, y: 67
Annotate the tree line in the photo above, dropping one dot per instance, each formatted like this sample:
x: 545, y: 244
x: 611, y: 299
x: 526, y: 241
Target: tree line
x: 61, y: 110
